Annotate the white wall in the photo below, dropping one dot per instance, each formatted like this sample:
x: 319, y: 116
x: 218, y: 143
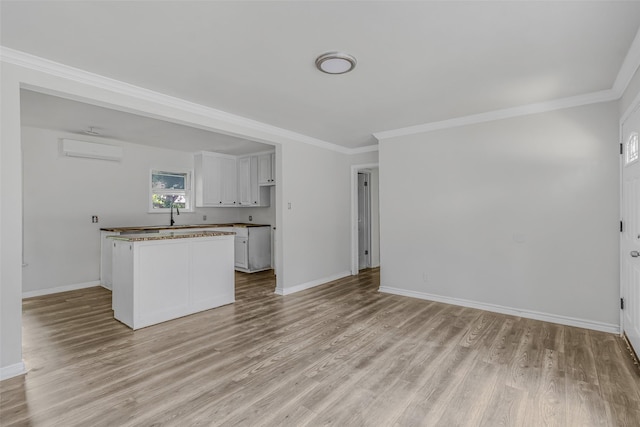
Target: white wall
x: 375, y: 217
x: 514, y: 214
x: 316, y: 235
x: 264, y: 215
x: 10, y: 226
x: 630, y: 94
x: 61, y: 245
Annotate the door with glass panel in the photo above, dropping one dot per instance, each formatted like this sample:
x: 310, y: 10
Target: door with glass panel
x: 630, y: 236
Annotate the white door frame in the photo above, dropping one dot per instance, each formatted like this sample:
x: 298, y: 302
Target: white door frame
x: 354, y: 213
x: 628, y: 112
x: 364, y: 215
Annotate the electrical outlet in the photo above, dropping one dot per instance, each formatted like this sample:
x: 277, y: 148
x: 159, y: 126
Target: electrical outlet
x: 250, y: 217
x: 204, y: 217
x: 94, y: 219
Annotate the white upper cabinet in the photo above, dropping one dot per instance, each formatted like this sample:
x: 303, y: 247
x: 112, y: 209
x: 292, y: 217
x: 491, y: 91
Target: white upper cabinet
x: 266, y: 169
x: 216, y: 181
x: 223, y: 180
x: 229, y: 181
x: 244, y: 181
x: 249, y: 192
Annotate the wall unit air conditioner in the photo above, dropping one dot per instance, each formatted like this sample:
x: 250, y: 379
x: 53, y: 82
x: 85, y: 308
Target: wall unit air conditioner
x: 91, y: 150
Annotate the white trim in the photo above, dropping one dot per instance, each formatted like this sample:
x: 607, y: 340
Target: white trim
x: 629, y: 66
x: 354, y: 214
x: 22, y: 59
x: 259, y: 153
x: 529, y: 314
x: 312, y: 284
x: 365, y: 149
x: 524, y: 110
x: 33, y: 62
x: 11, y: 371
x: 58, y: 289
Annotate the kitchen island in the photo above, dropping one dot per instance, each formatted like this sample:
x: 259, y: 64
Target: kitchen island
x: 163, y: 276
x: 245, y: 261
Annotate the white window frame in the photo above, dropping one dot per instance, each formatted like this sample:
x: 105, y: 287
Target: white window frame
x: 631, y: 154
x: 188, y: 191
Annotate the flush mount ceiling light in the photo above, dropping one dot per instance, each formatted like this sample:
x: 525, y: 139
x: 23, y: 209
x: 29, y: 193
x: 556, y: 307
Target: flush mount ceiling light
x: 335, y: 63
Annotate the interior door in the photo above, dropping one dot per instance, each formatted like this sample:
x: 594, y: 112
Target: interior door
x: 364, y: 221
x: 630, y: 239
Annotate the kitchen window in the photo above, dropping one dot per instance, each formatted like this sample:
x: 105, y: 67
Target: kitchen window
x: 170, y: 188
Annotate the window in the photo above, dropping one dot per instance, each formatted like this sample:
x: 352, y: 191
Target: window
x: 631, y: 149
x: 170, y: 188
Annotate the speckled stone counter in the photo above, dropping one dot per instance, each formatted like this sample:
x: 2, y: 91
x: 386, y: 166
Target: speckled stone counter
x: 178, y: 227
x: 168, y: 236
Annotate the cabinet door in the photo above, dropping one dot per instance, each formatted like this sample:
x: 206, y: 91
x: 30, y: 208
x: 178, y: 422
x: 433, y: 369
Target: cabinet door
x: 228, y: 181
x: 265, y: 166
x: 211, y: 175
x: 245, y: 194
x: 273, y: 168
x: 254, y: 187
x: 207, y: 179
x: 241, y: 250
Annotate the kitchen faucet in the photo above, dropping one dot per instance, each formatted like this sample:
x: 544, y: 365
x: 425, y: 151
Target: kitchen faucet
x: 172, y: 221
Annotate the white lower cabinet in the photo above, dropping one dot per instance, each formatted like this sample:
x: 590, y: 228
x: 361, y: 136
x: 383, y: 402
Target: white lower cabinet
x: 252, y: 248
x: 241, y: 252
x: 159, y: 280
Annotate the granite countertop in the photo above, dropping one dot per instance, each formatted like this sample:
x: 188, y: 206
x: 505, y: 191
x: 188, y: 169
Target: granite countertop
x: 179, y: 227
x: 169, y: 236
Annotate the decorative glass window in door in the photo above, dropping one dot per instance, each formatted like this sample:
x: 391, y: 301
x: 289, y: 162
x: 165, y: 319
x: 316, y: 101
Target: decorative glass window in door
x: 631, y: 149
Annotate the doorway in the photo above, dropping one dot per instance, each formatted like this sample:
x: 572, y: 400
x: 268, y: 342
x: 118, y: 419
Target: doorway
x: 365, y: 217
x: 364, y: 220
x: 630, y: 236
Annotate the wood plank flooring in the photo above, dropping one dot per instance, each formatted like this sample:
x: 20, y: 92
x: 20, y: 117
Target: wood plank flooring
x: 340, y: 354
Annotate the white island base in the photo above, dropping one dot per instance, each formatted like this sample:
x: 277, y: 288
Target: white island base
x: 159, y: 279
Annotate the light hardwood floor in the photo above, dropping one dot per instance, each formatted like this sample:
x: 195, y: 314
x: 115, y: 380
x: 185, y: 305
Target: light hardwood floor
x: 340, y: 354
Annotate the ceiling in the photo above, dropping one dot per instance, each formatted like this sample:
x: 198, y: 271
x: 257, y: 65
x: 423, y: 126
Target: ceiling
x: 418, y: 62
x: 52, y: 112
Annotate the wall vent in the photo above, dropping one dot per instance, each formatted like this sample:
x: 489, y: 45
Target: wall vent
x: 91, y: 150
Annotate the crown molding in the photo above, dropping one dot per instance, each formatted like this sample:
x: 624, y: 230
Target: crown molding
x: 540, y: 107
x: 57, y: 69
x: 365, y: 149
x: 629, y: 66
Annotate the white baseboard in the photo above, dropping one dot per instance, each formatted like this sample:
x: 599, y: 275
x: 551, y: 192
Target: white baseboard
x: 529, y: 314
x: 311, y: 284
x: 58, y: 289
x: 11, y: 371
